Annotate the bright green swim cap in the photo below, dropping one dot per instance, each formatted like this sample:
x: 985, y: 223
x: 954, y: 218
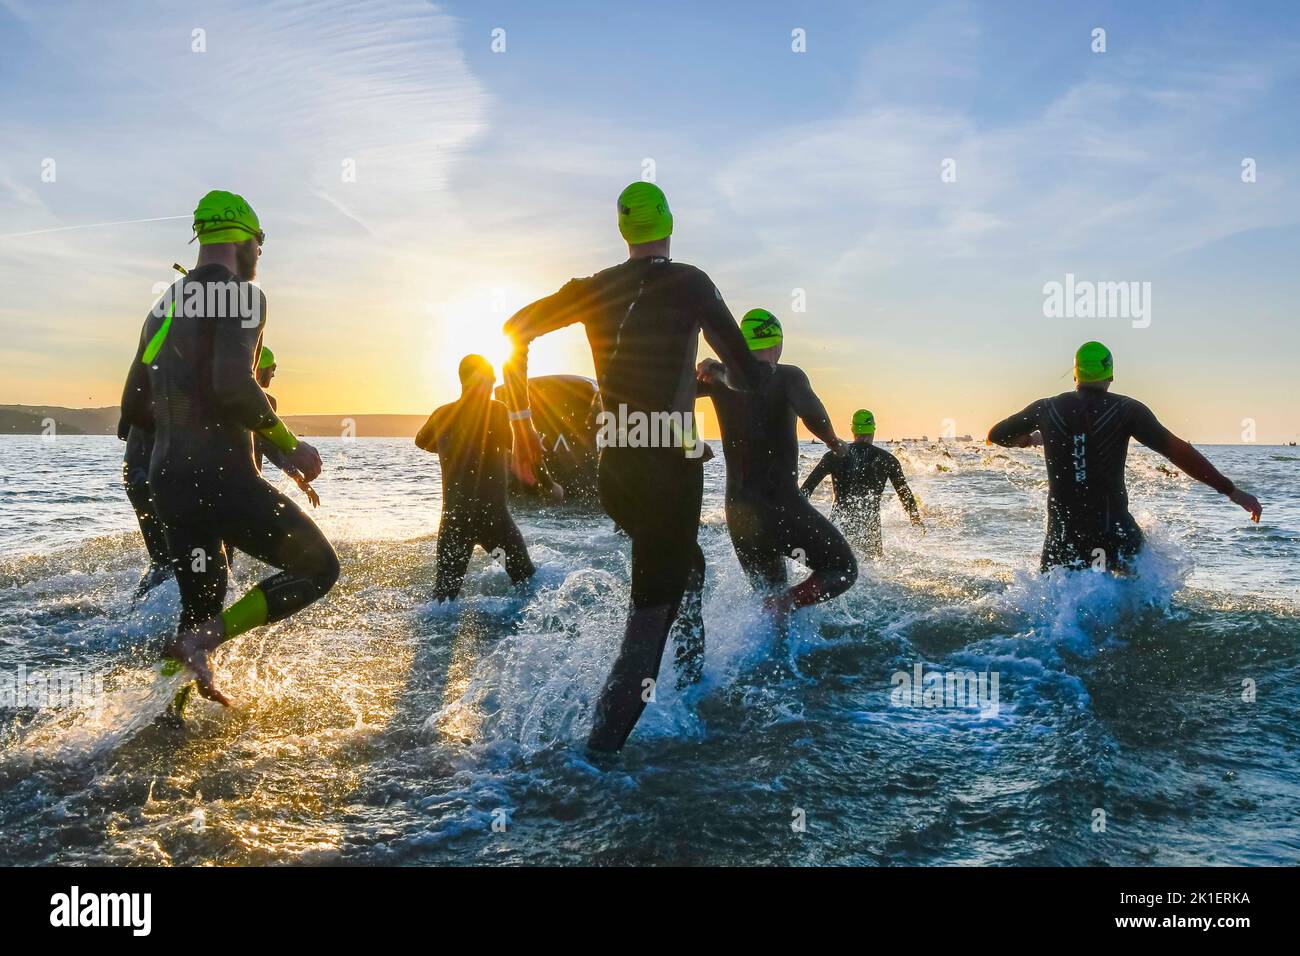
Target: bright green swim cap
x: 761, y: 329
x: 643, y: 214
x: 1093, y: 363
x: 226, y: 217
x: 265, y: 359
x: 864, y: 423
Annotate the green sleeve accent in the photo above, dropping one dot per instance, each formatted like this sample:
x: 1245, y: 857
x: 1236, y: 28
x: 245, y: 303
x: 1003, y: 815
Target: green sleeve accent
x: 279, y: 436
x: 245, y: 614
x: 156, y: 343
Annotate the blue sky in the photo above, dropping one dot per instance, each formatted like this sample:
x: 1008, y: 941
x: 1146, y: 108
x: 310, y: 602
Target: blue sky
x: 484, y: 179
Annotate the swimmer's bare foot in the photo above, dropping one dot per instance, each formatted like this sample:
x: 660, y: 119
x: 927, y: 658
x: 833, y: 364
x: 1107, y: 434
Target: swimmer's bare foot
x: 192, y: 647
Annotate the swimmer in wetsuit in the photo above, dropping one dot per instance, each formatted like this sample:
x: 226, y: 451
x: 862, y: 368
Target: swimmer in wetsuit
x: 472, y: 437
x: 858, y: 480
x: 767, y: 517
x: 264, y: 448
x: 1085, y: 436
x: 191, y: 381
x: 643, y: 320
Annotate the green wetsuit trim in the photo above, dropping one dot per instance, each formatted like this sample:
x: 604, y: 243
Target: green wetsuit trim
x: 156, y: 343
x: 280, y: 436
x: 245, y: 614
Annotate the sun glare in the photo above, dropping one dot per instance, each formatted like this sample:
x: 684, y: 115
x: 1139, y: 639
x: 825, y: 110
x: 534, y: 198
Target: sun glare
x: 468, y: 325
x: 471, y: 323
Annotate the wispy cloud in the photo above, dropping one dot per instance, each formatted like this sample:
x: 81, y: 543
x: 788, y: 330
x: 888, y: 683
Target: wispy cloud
x: 340, y: 121
x: 1137, y: 161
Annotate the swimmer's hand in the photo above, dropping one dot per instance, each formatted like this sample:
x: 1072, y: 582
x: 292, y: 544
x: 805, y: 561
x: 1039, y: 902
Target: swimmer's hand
x: 1249, y: 502
x: 306, y: 460
x: 527, y: 451
x: 1032, y: 440
x: 710, y: 372
x: 192, y: 647
x: 839, y: 446
x: 308, y: 490
x: 556, y: 492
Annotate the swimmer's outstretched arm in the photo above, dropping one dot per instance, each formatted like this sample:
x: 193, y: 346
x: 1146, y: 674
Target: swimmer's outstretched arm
x: 904, y: 493
x: 1148, y: 430
x: 820, y: 471
x: 427, y: 437
x: 556, y: 311
x: 723, y: 335
x: 1018, y: 430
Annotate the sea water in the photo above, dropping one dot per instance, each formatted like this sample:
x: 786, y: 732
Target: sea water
x: 1149, y: 719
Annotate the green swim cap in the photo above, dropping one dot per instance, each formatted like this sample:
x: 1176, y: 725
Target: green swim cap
x: 1093, y: 363
x: 226, y: 217
x: 643, y: 214
x: 864, y: 423
x: 265, y: 359
x: 761, y: 329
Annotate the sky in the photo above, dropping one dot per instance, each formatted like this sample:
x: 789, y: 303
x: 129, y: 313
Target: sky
x: 898, y: 182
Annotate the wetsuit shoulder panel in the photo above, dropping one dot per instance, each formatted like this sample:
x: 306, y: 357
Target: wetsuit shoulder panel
x: 1146, y: 428
x: 799, y: 393
x: 428, y: 435
x: 235, y: 344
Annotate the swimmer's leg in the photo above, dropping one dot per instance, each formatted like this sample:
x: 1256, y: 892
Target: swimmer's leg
x: 687, y: 630
x: 201, y: 572
x: 826, y: 553
x: 658, y: 502
x: 155, y: 538
x: 630, y: 685
x: 757, y: 549
x: 455, y: 547
x: 275, y: 531
x: 510, y: 540
x: 1123, y: 545
x: 202, y: 576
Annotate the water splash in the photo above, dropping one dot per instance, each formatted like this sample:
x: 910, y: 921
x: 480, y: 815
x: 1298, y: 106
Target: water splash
x: 94, y: 727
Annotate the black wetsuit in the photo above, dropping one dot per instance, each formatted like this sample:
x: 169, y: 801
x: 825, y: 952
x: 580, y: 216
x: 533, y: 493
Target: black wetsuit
x: 767, y: 517
x: 858, y: 480
x: 473, y: 442
x: 135, y: 478
x: 643, y: 320
x: 1085, y: 443
x: 201, y: 401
